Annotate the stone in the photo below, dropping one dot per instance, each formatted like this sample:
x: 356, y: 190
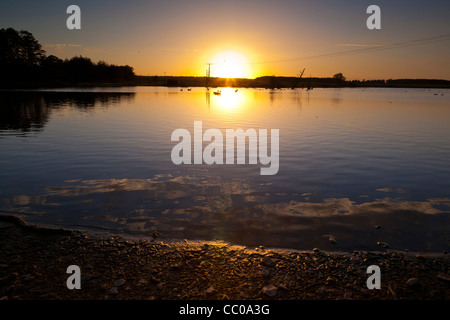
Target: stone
x: 113, y: 291
x: 282, y: 287
x: 268, y: 262
x: 27, y: 277
x: 392, y: 292
x: 153, y: 279
x: 142, y: 282
x: 331, y: 239
x: 87, y: 278
x: 155, y: 234
x: 270, y: 291
x: 265, y: 272
x: 412, y: 282
x: 119, y: 282
x: 210, y: 291
x: 383, y: 244
x: 443, y: 277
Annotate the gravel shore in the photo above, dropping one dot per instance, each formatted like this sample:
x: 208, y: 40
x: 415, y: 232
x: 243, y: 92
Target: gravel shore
x: 33, y: 264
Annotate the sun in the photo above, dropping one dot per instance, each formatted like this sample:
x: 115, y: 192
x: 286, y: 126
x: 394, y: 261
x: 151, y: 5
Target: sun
x: 230, y: 64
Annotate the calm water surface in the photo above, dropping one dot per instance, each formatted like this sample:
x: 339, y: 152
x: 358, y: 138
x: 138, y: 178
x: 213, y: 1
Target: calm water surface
x: 350, y: 159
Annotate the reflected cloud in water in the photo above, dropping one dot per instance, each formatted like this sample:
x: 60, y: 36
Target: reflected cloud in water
x: 233, y: 210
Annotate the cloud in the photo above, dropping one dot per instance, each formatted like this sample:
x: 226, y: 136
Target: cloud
x: 392, y: 190
x: 63, y: 49
x: 60, y: 45
x: 180, y: 50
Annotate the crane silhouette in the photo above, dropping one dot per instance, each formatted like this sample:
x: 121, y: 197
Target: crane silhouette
x: 298, y: 79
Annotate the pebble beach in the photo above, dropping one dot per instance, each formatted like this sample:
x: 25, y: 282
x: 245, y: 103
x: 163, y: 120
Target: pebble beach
x: 34, y: 261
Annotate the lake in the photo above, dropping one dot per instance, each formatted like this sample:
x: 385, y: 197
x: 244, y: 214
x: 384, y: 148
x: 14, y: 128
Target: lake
x: 366, y: 167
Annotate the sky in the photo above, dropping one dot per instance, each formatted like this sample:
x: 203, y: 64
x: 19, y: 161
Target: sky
x: 249, y: 38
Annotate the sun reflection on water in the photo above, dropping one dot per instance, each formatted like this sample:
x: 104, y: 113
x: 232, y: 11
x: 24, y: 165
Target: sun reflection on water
x: 229, y: 100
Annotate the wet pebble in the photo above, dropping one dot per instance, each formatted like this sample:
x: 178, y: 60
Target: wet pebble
x: 142, y: 282
x: 270, y: 290
x: 392, y: 292
x: 175, y: 267
x: 8, y: 279
x: 268, y: 262
x: 412, y: 282
x: 320, y: 291
x: 160, y: 285
x: 153, y: 279
x: 28, y: 277
x: 383, y: 244
x: 210, y: 291
x: 155, y: 234
x: 265, y: 272
x: 87, y: 277
x: 331, y: 239
x: 113, y: 291
x: 119, y: 282
x: 282, y: 287
x: 443, y: 277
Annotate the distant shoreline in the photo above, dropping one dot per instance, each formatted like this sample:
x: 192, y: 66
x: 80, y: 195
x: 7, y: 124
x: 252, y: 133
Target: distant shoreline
x: 270, y: 82
x: 275, y: 82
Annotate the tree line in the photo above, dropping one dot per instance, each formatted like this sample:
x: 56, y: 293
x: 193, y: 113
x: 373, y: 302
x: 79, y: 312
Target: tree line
x: 24, y: 61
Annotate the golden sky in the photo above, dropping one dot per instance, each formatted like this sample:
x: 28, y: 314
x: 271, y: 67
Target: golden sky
x: 253, y: 38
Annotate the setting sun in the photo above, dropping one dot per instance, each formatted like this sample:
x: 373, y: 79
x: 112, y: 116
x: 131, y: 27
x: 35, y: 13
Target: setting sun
x: 230, y: 64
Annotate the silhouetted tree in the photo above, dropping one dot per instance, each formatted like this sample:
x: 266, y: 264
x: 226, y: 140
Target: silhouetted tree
x: 19, y: 47
x: 79, y: 68
x: 52, y: 68
x: 20, y: 54
x: 31, y: 51
x: 339, y: 77
x: 22, y: 60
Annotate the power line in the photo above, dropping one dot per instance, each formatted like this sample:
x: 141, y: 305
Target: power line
x: 377, y: 48
x: 364, y: 50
